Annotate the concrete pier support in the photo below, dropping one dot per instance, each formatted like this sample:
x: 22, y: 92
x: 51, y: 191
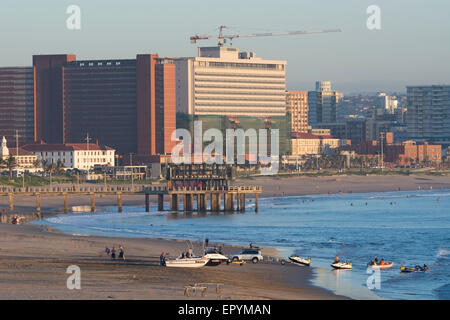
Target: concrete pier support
x: 119, y: 201
x: 215, y: 202
x: 92, y: 202
x: 201, y: 202
x: 204, y: 200
x: 256, y: 202
x: 228, y: 202
x: 174, y: 203
x: 66, y: 203
x: 160, y: 202
x: 188, y: 202
x: 11, y: 201
x: 38, y: 202
x: 242, y: 202
x: 147, y: 202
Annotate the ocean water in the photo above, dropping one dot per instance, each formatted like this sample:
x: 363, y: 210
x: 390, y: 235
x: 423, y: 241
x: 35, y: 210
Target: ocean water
x: 407, y: 228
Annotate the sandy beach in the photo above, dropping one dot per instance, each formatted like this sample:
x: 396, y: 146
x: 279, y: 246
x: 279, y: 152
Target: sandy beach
x: 33, y: 265
x: 33, y: 261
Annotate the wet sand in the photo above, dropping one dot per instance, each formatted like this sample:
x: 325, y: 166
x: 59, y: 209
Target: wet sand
x: 33, y: 265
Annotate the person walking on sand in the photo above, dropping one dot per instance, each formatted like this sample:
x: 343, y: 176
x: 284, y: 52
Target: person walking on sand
x: 107, y: 251
x: 113, y: 253
x: 121, y: 253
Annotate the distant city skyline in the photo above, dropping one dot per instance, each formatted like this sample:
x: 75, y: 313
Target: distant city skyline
x: 410, y: 49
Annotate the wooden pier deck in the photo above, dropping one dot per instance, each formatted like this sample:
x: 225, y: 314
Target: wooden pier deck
x: 233, y: 196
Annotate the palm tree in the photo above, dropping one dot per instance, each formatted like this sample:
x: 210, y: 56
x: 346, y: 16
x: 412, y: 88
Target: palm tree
x: 10, y: 164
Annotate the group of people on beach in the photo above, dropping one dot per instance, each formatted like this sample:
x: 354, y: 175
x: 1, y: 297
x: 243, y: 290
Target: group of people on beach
x: 112, y: 252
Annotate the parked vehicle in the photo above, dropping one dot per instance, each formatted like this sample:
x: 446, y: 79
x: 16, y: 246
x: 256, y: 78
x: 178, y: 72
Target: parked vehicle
x: 248, y: 254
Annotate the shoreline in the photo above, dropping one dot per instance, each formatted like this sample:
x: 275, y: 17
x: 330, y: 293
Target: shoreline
x: 35, y: 259
x: 262, y: 281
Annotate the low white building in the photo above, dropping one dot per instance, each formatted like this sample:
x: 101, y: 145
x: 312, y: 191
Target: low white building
x: 80, y: 156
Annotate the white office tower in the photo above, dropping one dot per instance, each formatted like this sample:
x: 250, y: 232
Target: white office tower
x: 224, y: 81
x: 386, y: 104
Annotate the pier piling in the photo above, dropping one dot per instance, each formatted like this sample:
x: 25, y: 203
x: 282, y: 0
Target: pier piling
x: 160, y: 202
x: 119, y: 201
x: 92, y: 202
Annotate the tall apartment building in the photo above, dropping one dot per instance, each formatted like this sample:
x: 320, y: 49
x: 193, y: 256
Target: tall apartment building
x: 126, y: 104
x: 297, y: 107
x: 428, y: 115
x: 323, y: 104
x: 224, y: 81
x: 17, y: 104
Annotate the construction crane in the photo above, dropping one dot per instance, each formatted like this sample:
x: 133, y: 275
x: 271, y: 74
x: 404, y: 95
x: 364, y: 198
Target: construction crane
x: 223, y: 38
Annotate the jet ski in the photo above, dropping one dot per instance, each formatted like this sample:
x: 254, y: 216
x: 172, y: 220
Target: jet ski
x: 342, y: 265
x: 301, y: 261
x: 416, y: 268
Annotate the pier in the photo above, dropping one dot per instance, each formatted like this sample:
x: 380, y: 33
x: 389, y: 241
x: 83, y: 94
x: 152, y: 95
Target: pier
x: 189, y: 184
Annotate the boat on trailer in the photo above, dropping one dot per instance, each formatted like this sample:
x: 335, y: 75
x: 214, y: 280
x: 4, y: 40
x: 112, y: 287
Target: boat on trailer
x: 183, y: 262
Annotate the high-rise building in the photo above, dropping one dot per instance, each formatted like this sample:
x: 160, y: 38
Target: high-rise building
x: 323, y: 104
x: 224, y: 81
x: 428, y: 116
x: 17, y: 104
x: 49, y: 96
x: 227, y: 89
x: 126, y: 104
x: 297, y: 107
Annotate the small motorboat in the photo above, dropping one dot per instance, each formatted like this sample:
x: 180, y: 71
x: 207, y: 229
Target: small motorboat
x: 215, y: 257
x: 416, y: 268
x: 184, y: 262
x: 301, y: 261
x: 386, y: 265
x: 342, y: 265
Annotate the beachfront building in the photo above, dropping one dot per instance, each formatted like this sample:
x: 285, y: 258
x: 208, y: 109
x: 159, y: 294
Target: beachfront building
x: 428, y: 116
x: 227, y: 89
x: 128, y: 104
x: 297, y: 107
x: 80, y: 156
x: 17, y: 104
x: 224, y: 81
x: 22, y: 158
x: 307, y: 144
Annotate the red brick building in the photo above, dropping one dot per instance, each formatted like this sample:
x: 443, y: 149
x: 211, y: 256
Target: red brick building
x: 411, y: 152
x: 128, y: 104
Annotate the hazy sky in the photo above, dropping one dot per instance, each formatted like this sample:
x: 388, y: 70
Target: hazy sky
x: 411, y: 48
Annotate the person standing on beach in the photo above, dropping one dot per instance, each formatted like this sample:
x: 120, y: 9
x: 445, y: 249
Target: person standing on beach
x: 113, y: 253
x: 162, y: 259
x: 121, y: 253
x: 107, y: 251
